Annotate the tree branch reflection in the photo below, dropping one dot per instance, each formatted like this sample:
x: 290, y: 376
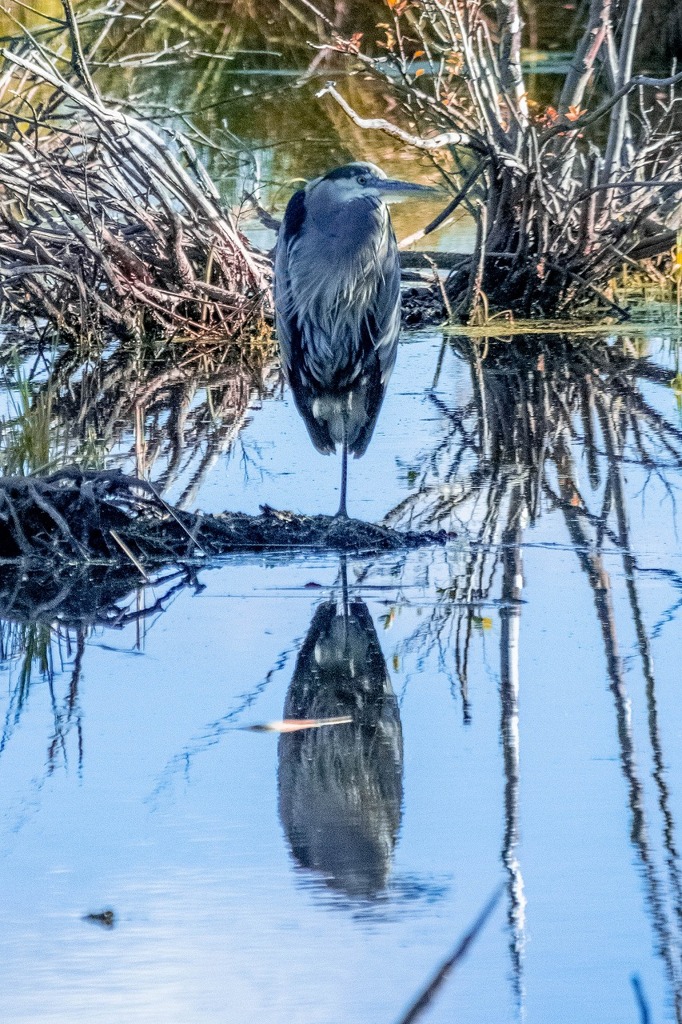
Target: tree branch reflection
x: 168, y: 415
x: 509, y: 453
x: 45, y: 621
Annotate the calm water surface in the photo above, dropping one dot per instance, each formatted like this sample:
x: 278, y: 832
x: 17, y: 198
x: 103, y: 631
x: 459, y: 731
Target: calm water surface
x: 514, y: 693
x: 516, y: 707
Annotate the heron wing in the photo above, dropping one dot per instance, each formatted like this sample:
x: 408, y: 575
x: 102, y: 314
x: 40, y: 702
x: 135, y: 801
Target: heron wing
x: 288, y: 329
x: 289, y: 231
x: 380, y: 332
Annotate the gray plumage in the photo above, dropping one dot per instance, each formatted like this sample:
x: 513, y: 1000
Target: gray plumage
x: 337, y: 304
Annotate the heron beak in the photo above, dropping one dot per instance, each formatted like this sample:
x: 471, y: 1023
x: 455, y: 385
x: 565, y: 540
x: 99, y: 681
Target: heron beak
x: 391, y: 189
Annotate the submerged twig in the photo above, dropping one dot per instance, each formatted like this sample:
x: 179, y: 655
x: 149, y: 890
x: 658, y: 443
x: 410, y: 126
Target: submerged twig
x: 642, y: 1005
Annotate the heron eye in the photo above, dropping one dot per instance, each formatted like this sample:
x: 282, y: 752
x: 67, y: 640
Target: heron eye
x: 362, y: 180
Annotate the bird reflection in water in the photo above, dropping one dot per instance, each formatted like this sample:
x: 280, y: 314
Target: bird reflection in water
x: 341, y: 787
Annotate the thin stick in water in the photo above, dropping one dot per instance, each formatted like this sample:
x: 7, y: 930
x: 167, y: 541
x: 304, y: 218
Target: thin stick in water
x: 126, y: 550
x: 427, y: 994
x: 171, y: 512
x: 642, y: 1005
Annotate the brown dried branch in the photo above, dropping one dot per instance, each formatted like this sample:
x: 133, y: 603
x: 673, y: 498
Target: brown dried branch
x: 108, y: 229
x: 563, y: 209
x: 95, y: 514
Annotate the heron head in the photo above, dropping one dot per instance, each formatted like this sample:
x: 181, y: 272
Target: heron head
x: 352, y: 181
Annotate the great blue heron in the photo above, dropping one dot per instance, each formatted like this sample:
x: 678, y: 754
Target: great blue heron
x: 337, y: 302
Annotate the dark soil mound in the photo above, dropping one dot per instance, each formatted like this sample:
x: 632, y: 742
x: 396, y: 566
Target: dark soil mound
x: 85, y: 516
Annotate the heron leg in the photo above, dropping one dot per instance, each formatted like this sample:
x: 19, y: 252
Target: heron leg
x: 342, y: 513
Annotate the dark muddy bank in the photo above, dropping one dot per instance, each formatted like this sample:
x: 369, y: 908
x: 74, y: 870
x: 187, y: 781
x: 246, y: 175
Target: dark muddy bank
x: 106, y: 515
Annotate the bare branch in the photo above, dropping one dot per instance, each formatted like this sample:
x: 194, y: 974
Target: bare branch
x: 619, y: 118
x: 441, y: 141
x: 582, y: 64
x: 596, y: 115
x: 511, y: 76
x: 449, y: 209
x: 77, y: 59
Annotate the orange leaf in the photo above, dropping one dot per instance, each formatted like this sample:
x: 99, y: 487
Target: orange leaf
x: 418, y: 72
x: 573, y: 113
x: 417, y: 54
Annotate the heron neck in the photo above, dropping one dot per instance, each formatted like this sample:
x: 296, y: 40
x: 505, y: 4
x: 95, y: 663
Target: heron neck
x: 347, y: 227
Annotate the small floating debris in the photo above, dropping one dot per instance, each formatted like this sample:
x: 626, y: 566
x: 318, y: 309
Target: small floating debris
x: 296, y: 724
x: 104, y: 918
